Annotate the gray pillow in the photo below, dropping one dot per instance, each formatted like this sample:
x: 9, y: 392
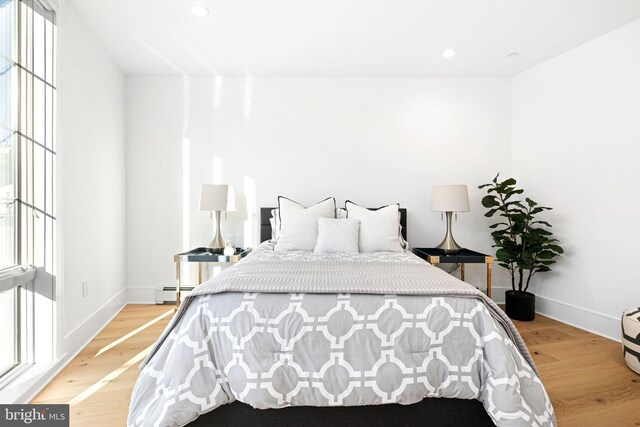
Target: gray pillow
x: 337, y: 236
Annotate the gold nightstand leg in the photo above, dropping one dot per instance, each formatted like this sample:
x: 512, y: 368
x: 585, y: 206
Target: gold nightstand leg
x: 489, y: 265
x: 177, y: 285
x: 462, y: 271
x: 199, y: 273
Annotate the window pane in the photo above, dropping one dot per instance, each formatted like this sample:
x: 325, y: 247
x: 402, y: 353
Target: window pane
x: 8, y: 336
x: 7, y: 19
x: 39, y: 51
x: 39, y: 221
x: 50, y: 265
x: 50, y: 177
x: 7, y: 81
x: 39, y: 174
x: 39, y: 108
x: 50, y: 48
x: 7, y: 195
x: 48, y: 125
x: 25, y: 34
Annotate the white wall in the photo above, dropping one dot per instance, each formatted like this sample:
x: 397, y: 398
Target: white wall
x: 372, y: 140
x: 575, y: 147
x: 92, y: 181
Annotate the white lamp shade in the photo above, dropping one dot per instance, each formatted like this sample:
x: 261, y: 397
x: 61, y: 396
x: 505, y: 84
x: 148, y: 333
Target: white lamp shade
x: 216, y: 198
x: 449, y: 198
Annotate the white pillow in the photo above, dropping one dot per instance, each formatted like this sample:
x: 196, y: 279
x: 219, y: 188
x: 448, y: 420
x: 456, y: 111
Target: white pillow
x: 299, y: 225
x: 336, y: 236
x: 378, y: 228
x: 275, y: 224
x: 341, y: 213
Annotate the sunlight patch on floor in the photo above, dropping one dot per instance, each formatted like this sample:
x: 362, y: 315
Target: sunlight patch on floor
x: 110, y: 377
x: 132, y: 333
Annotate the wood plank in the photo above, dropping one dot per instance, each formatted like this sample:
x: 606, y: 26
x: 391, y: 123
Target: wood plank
x: 108, y: 405
x: 584, y: 374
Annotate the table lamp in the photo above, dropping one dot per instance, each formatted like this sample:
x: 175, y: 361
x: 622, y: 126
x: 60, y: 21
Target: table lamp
x: 217, y: 198
x: 449, y: 199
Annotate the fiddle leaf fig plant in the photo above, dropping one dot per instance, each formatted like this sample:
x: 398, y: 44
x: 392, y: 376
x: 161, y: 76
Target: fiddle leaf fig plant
x: 525, y: 245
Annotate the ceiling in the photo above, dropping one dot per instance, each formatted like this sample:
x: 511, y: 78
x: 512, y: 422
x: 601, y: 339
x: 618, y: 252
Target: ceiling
x: 346, y: 37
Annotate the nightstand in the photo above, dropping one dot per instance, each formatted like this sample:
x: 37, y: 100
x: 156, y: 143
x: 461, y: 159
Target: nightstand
x: 466, y: 256
x: 201, y: 255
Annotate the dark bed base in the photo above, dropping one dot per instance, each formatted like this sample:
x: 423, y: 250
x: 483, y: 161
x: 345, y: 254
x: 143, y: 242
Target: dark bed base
x: 428, y: 412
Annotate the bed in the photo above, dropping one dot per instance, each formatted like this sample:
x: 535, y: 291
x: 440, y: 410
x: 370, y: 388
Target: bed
x: 308, y: 331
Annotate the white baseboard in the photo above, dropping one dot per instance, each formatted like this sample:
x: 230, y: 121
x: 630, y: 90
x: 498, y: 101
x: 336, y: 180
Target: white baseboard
x: 152, y: 295
x: 38, y: 376
x: 79, y: 337
x: 497, y: 294
x: 141, y: 295
x: 592, y: 321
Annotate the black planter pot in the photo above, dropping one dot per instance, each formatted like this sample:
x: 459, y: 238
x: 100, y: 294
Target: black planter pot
x: 520, y: 305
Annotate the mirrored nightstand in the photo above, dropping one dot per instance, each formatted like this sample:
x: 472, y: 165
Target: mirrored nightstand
x: 201, y: 256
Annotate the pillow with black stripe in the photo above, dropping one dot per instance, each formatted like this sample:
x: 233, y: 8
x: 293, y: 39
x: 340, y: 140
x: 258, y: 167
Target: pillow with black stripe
x: 299, y: 224
x: 379, y: 228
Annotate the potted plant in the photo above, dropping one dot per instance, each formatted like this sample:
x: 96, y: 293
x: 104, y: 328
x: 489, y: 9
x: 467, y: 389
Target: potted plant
x: 525, y: 245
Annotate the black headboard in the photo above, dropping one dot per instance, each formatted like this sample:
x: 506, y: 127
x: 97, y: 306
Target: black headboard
x: 265, y: 225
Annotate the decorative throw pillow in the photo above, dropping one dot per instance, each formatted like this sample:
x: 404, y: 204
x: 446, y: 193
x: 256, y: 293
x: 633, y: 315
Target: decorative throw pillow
x: 341, y: 213
x: 379, y: 228
x: 337, y: 236
x: 299, y: 225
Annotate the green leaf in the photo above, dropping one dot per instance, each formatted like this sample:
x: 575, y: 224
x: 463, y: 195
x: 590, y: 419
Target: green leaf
x: 498, y: 224
x: 503, y: 255
x: 530, y: 202
x: 547, y: 254
x: 490, y: 202
x: 508, y: 182
x: 490, y: 213
x: 541, y: 222
x: 539, y: 232
x: 556, y: 248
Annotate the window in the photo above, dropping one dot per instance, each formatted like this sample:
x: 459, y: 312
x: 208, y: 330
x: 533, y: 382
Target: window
x: 8, y: 324
x: 27, y: 169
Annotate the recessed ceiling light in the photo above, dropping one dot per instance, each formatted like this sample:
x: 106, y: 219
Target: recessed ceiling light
x: 448, y: 53
x: 513, y: 55
x: 199, y: 10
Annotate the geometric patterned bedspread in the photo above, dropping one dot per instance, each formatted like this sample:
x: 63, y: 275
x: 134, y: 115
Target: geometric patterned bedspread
x: 273, y: 350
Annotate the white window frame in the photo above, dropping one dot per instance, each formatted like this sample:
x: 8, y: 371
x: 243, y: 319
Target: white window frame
x: 35, y: 287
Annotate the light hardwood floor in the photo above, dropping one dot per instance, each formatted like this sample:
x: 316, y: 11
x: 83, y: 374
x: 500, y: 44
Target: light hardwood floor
x: 585, y: 374
x: 98, y: 382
